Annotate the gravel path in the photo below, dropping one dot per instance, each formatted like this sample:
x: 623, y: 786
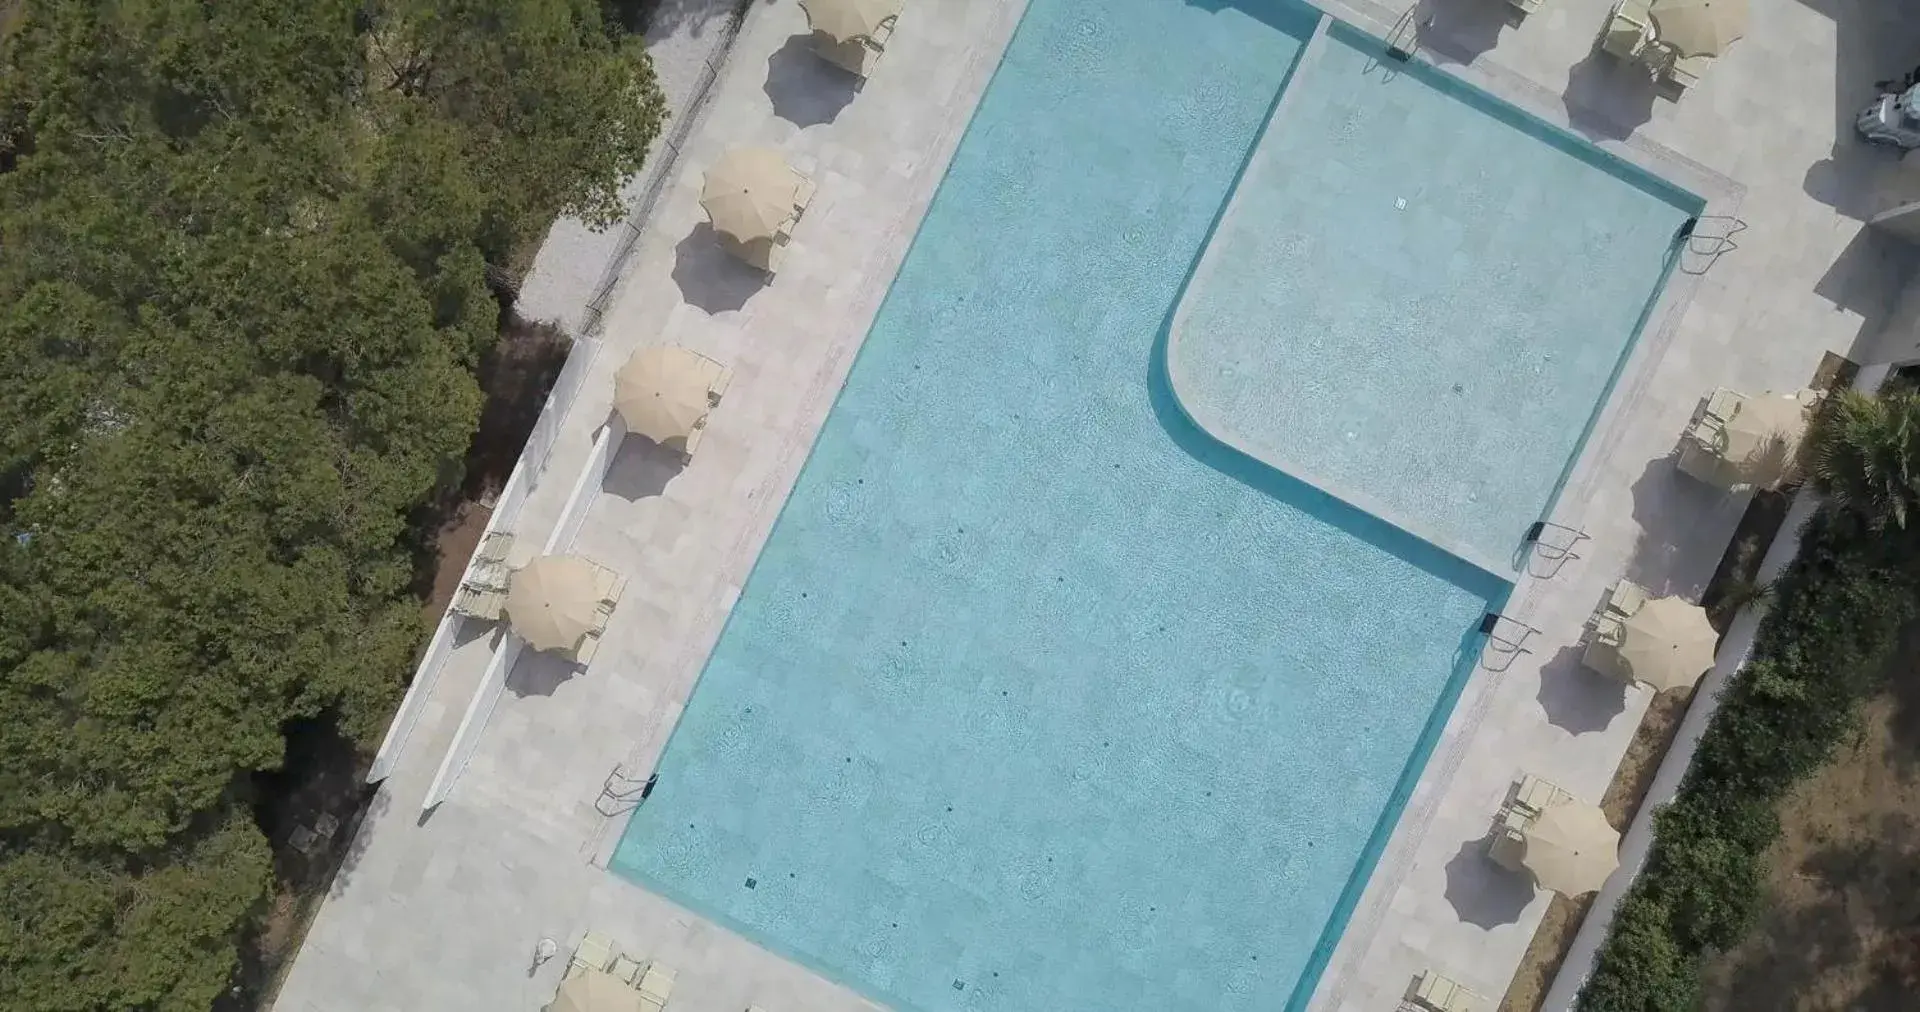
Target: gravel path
x: 684, y: 36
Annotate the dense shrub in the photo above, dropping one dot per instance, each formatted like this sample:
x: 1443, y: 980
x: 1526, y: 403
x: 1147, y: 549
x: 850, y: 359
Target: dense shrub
x: 1837, y: 614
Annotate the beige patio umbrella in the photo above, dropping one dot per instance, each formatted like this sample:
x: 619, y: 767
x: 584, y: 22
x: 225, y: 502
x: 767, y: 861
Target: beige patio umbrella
x: 1667, y: 644
x: 595, y: 991
x: 1760, y: 439
x: 1571, y: 848
x: 665, y: 392
x: 750, y: 193
x: 1698, y: 27
x: 554, y: 600
x: 846, y: 20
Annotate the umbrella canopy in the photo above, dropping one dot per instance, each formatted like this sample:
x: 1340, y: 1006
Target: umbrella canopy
x: 1760, y: 439
x: 846, y: 20
x: 1572, y: 848
x: 595, y: 991
x: 1698, y: 27
x: 1667, y: 643
x: 749, y: 193
x: 664, y: 393
x: 553, y: 601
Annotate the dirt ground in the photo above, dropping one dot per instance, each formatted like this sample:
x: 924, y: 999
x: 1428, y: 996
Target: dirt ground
x: 1630, y: 784
x: 1842, y: 926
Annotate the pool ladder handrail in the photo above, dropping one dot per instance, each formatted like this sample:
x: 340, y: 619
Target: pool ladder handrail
x: 1716, y: 245
x: 1553, y: 543
x: 623, y: 792
x: 1506, y: 638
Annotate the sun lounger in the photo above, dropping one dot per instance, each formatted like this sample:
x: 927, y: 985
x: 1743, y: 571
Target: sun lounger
x: 1439, y: 993
x: 1533, y: 795
x: 626, y: 968
x: 595, y: 952
x: 1509, y: 845
x: 1628, y: 29
x: 1525, y: 6
x: 1722, y: 405
x: 609, y: 585
x: 483, y: 590
x: 1685, y: 73
x: 1601, y: 653
x: 802, y: 197
x: 855, y: 56
x: 656, y: 985
x: 1623, y: 600
x: 1626, y: 598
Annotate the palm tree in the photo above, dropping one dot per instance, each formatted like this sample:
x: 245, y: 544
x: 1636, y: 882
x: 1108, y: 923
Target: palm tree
x: 1863, y: 454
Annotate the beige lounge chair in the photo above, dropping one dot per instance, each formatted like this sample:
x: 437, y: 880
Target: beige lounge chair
x: 610, y: 585
x: 859, y: 55
x: 1686, y: 72
x: 1629, y: 28
x: 1530, y: 797
x: 595, y: 952
x: 1626, y: 598
x: 626, y: 968
x: 770, y: 252
x: 483, y: 590
x: 1533, y: 795
x: 1436, y: 992
x: 655, y: 986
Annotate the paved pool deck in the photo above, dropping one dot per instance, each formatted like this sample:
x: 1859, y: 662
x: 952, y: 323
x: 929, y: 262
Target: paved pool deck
x: 444, y: 911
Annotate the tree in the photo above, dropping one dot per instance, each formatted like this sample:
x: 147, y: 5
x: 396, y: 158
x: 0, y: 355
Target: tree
x: 1863, y: 454
x: 77, y: 933
x: 552, y: 108
x: 245, y: 262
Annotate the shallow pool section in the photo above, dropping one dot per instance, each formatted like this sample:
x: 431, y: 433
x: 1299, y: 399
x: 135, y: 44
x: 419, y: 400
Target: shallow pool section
x: 1419, y: 297
x: 1038, y: 698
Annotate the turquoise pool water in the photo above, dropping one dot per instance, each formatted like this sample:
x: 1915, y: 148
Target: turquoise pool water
x: 1038, y: 697
x: 1419, y: 297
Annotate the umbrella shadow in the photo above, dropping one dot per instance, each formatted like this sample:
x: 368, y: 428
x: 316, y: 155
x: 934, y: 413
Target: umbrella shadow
x: 1481, y: 892
x: 1577, y: 700
x: 709, y: 277
x: 641, y: 469
x: 1461, y: 31
x: 1607, y: 97
x: 1684, y: 526
x: 540, y: 673
x: 806, y: 90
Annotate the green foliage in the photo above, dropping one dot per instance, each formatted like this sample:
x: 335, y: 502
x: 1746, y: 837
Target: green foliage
x: 1836, y: 615
x: 1864, y: 454
x: 1646, y: 968
x: 77, y: 934
x: 244, y: 287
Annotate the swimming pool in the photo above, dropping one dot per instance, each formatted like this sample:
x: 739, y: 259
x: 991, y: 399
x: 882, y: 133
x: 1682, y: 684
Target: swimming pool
x: 1039, y: 697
